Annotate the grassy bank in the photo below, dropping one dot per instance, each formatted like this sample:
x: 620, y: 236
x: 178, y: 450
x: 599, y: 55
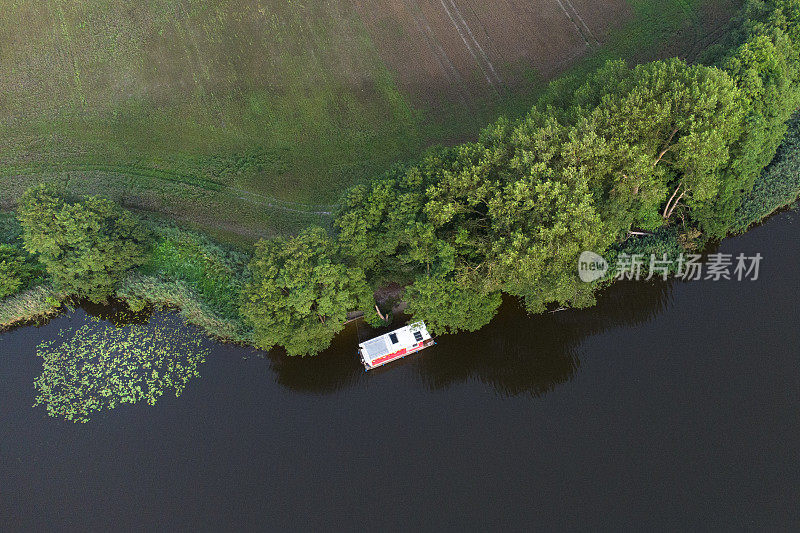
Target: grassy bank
x: 186, y: 271
x: 32, y: 305
x: 443, y: 223
x: 203, y: 279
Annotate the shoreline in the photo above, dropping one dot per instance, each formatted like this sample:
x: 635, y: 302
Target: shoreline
x: 40, y: 304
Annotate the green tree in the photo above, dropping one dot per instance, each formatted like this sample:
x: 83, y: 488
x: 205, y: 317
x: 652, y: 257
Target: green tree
x: 777, y: 186
x: 448, y: 306
x: 378, y: 222
x: 627, y: 148
x: 18, y: 270
x: 514, y: 218
x: 766, y: 69
x: 540, y: 228
x: 300, y: 293
x: 659, y: 134
x: 86, y: 246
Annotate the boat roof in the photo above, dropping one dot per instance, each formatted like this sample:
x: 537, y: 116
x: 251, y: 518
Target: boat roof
x: 377, y: 347
x: 385, y: 344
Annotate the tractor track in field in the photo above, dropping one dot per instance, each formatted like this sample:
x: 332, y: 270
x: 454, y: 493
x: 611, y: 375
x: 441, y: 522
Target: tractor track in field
x: 697, y: 26
x: 477, y: 52
x: 448, y: 51
x: 271, y: 202
x: 577, y: 20
x: 488, y: 37
x: 445, y: 63
x: 212, y: 187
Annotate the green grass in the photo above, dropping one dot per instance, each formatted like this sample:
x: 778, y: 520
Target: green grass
x: 34, y: 304
x: 214, y: 272
x: 253, y: 95
x: 657, y: 29
x: 661, y: 29
x: 243, y: 117
x: 190, y: 272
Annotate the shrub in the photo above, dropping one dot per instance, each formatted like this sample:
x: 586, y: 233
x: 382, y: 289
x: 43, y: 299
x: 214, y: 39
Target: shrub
x: 777, y: 186
x: 665, y: 241
x: 447, y: 307
x: 10, y: 230
x: 18, y: 270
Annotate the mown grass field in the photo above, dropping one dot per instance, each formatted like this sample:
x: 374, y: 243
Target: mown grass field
x: 243, y: 117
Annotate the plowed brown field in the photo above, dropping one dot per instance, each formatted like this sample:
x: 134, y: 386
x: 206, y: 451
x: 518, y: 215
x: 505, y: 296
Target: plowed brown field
x: 445, y: 50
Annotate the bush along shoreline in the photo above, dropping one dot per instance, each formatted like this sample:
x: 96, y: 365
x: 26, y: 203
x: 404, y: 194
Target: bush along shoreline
x: 686, y: 153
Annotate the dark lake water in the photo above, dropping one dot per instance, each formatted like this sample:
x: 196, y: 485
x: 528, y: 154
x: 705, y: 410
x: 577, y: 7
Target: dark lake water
x: 670, y: 405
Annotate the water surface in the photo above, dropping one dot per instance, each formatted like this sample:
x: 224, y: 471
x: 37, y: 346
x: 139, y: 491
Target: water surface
x: 669, y: 405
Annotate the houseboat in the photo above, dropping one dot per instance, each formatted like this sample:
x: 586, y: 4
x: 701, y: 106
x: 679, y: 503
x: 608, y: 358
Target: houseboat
x: 395, y: 345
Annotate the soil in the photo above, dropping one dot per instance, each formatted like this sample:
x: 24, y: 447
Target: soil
x: 467, y: 50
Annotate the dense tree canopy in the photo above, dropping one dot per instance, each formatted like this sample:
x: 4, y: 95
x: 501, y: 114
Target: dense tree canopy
x: 449, y: 306
x: 663, y: 126
x: 299, y: 295
x: 627, y: 148
x: 765, y: 68
x: 777, y: 186
x: 86, y: 246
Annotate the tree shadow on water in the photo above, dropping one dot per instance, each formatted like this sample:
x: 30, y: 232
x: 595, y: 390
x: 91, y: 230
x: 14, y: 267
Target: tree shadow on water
x: 116, y: 312
x: 515, y: 354
x: 336, y: 368
x: 522, y: 354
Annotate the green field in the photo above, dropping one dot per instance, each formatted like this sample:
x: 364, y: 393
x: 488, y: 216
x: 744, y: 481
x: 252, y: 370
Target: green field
x: 243, y: 117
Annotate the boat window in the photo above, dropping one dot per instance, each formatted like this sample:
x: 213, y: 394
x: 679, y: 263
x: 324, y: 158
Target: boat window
x: 393, y: 338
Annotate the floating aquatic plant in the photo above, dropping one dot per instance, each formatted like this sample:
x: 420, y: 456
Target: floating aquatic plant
x: 99, y: 366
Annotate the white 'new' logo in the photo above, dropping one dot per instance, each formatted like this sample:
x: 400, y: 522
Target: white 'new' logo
x: 591, y: 267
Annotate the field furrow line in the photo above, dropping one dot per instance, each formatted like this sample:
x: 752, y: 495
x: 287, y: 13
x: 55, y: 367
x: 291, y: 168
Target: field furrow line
x: 477, y: 44
x: 450, y: 71
x: 575, y: 24
x: 566, y: 14
x: 586, y: 28
x: 709, y: 40
x: 469, y: 47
